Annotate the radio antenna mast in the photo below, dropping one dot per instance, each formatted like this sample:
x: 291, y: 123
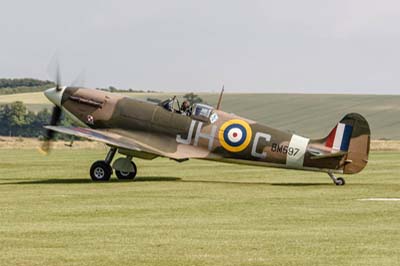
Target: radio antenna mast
x: 220, y: 97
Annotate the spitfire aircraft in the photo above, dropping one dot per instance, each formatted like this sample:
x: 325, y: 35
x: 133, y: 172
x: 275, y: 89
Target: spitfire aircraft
x: 140, y: 129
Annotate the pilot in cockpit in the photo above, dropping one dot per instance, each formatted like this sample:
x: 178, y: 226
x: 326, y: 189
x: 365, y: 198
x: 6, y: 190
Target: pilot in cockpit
x: 185, y: 108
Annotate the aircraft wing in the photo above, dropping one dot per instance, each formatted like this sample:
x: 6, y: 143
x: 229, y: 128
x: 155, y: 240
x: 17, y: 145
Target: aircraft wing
x: 96, y: 135
x: 141, y: 142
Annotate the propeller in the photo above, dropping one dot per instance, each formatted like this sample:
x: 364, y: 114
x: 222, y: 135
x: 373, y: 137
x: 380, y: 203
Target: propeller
x: 55, y: 72
x: 55, y: 116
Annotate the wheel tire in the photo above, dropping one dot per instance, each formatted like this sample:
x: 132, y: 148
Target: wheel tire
x: 340, y: 181
x: 100, y: 171
x: 127, y: 175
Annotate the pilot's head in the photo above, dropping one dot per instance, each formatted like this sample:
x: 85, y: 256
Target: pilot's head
x: 185, y: 105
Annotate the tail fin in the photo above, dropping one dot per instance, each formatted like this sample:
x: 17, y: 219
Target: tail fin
x: 351, y: 135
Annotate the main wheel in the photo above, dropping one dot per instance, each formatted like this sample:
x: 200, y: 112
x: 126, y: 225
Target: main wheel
x: 100, y: 171
x: 127, y: 175
x: 340, y: 181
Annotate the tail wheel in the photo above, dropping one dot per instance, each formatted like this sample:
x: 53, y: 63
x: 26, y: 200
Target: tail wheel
x: 100, y: 171
x: 127, y: 175
x: 340, y: 181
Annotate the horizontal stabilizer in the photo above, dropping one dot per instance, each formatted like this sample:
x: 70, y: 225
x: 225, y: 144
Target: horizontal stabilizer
x: 317, y: 154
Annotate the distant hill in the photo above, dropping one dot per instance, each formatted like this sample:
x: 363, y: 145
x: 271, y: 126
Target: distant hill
x: 24, y: 85
x: 312, y: 115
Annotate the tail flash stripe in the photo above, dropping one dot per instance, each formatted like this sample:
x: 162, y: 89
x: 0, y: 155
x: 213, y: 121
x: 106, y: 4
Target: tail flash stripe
x: 346, y: 138
x: 331, y: 138
x: 339, y: 136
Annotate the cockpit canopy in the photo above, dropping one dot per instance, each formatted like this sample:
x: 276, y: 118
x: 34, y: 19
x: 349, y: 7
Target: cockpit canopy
x: 199, y: 111
x: 204, y: 113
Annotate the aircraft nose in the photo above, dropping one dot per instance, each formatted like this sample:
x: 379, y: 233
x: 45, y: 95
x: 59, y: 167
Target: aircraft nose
x: 54, y: 95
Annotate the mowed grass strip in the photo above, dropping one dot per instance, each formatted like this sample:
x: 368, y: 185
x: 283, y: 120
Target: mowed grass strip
x: 194, y: 213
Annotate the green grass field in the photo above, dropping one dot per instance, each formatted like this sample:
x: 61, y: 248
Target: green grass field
x: 312, y: 115
x: 194, y: 213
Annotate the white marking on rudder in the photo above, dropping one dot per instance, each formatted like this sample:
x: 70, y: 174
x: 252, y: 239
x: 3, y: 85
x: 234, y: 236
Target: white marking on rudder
x: 300, y: 143
x: 339, y: 137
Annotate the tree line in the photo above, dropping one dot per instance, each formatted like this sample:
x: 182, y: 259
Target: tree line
x: 25, y: 82
x: 24, y: 85
x: 17, y: 121
x: 11, y: 86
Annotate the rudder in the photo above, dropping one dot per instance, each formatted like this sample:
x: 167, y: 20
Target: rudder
x: 351, y: 135
x: 357, y: 157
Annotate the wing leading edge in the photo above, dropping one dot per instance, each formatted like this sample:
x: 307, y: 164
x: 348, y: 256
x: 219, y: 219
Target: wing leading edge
x: 135, y: 141
x: 109, y: 138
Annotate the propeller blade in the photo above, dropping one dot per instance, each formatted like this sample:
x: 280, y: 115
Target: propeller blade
x: 56, y: 115
x: 53, y: 70
x: 58, y: 78
x: 55, y: 119
x: 79, y: 81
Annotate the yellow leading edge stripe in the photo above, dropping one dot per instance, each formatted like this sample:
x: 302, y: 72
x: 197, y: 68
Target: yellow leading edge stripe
x: 246, y: 141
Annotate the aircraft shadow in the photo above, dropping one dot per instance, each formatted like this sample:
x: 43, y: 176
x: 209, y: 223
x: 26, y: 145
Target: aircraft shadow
x: 255, y: 183
x: 301, y: 184
x: 159, y: 179
x: 89, y: 181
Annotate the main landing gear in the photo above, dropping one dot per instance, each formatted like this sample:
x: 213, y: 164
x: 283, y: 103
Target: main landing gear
x: 125, y: 169
x: 338, y: 181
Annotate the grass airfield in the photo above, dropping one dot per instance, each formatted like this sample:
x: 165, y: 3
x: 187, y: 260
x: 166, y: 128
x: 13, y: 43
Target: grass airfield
x: 194, y: 213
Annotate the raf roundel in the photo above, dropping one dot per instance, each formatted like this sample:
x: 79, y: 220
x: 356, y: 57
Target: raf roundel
x: 235, y: 135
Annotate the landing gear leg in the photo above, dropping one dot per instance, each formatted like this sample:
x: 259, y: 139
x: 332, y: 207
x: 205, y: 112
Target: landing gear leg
x: 110, y: 155
x: 101, y: 170
x: 338, y: 181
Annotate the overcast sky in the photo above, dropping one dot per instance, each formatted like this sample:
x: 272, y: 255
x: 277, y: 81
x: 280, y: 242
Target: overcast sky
x: 336, y: 46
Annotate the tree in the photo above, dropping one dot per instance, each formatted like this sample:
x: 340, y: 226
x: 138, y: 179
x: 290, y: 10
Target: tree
x: 192, y: 98
x: 4, y: 120
x: 36, y: 122
x: 16, y: 120
x: 14, y: 117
